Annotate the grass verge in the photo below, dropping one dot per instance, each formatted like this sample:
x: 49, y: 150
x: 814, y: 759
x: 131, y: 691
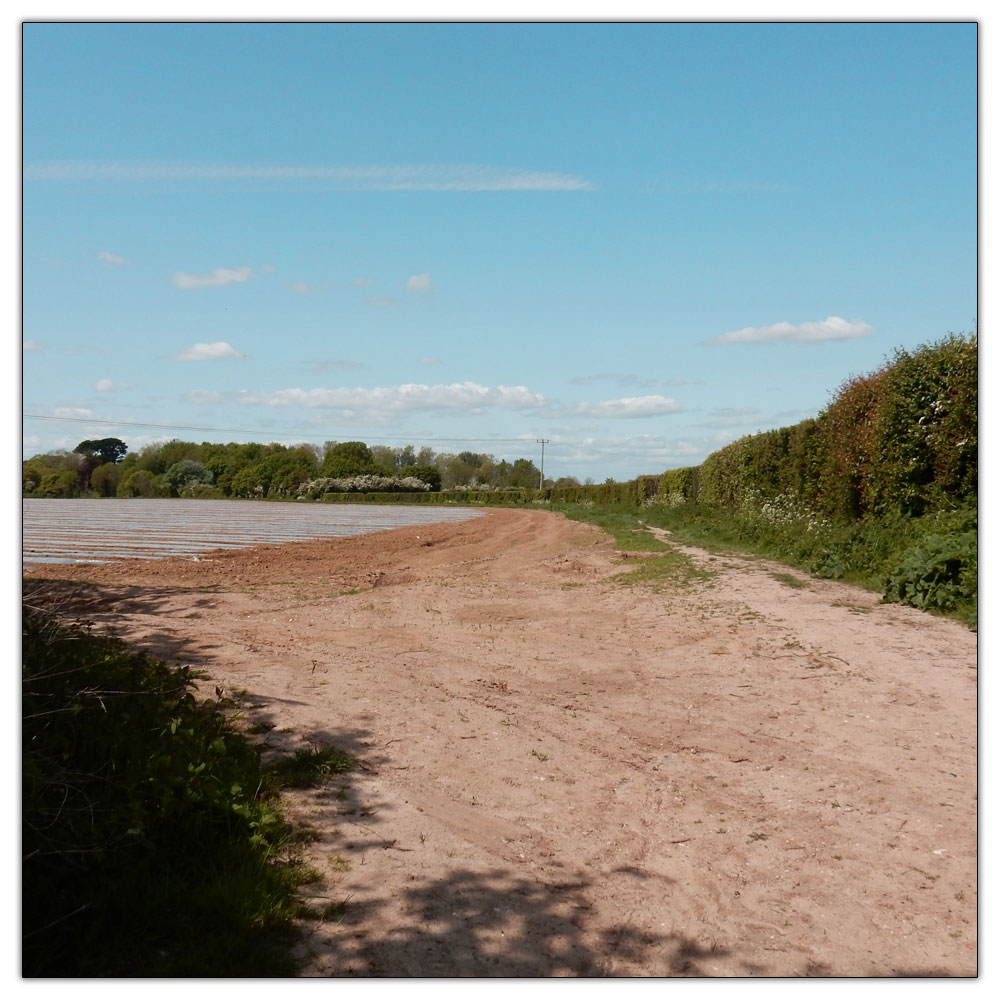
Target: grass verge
x: 663, y: 565
x: 930, y: 562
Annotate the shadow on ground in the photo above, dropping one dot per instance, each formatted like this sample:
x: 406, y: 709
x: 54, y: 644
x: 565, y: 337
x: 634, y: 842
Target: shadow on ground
x: 502, y: 924
x: 99, y: 606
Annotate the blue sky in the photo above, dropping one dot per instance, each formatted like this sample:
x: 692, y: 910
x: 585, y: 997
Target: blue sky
x: 638, y: 241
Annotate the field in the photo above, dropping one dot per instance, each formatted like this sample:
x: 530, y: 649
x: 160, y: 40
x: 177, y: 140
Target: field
x: 723, y: 769
x: 86, y: 531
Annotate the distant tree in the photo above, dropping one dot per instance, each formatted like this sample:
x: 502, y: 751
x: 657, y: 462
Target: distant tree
x: 181, y: 473
x: 384, y: 458
x: 106, y: 449
x: 142, y: 483
x: 105, y: 478
x: 425, y: 473
x: 524, y: 475
x: 32, y: 473
x: 278, y: 474
x: 458, y: 472
x: 405, y: 456
x: 245, y: 484
x: 349, y: 458
x: 95, y: 453
x: 488, y: 473
x: 58, y: 484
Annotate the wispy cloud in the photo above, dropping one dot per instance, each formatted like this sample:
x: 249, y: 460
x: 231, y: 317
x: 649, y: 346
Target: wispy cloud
x: 381, y: 301
x: 111, y: 258
x: 627, y: 408
x: 418, y: 283
x: 831, y: 328
x: 72, y: 412
x: 431, y: 361
x: 208, y: 352
x: 107, y: 385
x: 385, y: 403
x: 303, y: 288
x: 220, y: 276
x: 32, y: 345
x: 370, y: 177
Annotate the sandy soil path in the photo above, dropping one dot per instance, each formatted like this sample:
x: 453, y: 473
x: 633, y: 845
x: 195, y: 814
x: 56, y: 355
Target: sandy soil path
x: 563, y: 775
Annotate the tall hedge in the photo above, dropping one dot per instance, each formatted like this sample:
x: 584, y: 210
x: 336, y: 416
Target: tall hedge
x: 609, y: 492
x: 901, y: 441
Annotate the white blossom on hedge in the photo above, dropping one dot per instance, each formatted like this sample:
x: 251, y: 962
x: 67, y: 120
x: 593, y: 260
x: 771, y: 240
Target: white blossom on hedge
x: 313, y: 489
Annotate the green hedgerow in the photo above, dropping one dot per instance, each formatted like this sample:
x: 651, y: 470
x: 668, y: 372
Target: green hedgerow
x: 151, y: 839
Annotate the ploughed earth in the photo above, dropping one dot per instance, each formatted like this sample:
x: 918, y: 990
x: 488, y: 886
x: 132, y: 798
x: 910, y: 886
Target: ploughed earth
x: 561, y: 773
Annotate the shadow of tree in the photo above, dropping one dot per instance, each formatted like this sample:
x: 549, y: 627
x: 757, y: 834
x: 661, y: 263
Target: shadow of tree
x: 101, y: 606
x: 503, y: 924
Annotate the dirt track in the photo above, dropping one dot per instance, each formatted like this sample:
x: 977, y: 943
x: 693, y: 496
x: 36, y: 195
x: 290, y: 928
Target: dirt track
x: 563, y: 775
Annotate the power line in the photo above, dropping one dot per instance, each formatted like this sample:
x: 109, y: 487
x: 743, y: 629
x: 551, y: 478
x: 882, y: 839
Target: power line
x: 231, y: 430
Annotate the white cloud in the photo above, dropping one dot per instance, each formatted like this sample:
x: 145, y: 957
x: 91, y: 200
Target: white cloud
x: 379, y: 302
x: 220, y: 276
x: 382, y: 402
x: 73, y: 412
x: 111, y: 258
x: 831, y: 328
x: 398, y: 177
x: 208, y: 352
x: 385, y: 403
x: 431, y: 361
x: 32, y: 345
x: 362, y: 282
x: 419, y: 283
x: 303, y: 288
x: 106, y: 385
x: 626, y: 408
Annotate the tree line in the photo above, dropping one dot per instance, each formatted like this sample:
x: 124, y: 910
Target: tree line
x: 106, y: 468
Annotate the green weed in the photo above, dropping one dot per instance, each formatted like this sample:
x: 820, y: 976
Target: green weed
x: 151, y: 837
x: 307, y: 768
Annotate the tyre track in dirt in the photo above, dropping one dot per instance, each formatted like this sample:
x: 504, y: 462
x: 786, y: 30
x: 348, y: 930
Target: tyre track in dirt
x: 562, y: 775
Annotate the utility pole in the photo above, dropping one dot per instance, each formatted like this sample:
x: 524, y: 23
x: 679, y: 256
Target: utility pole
x: 541, y: 472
